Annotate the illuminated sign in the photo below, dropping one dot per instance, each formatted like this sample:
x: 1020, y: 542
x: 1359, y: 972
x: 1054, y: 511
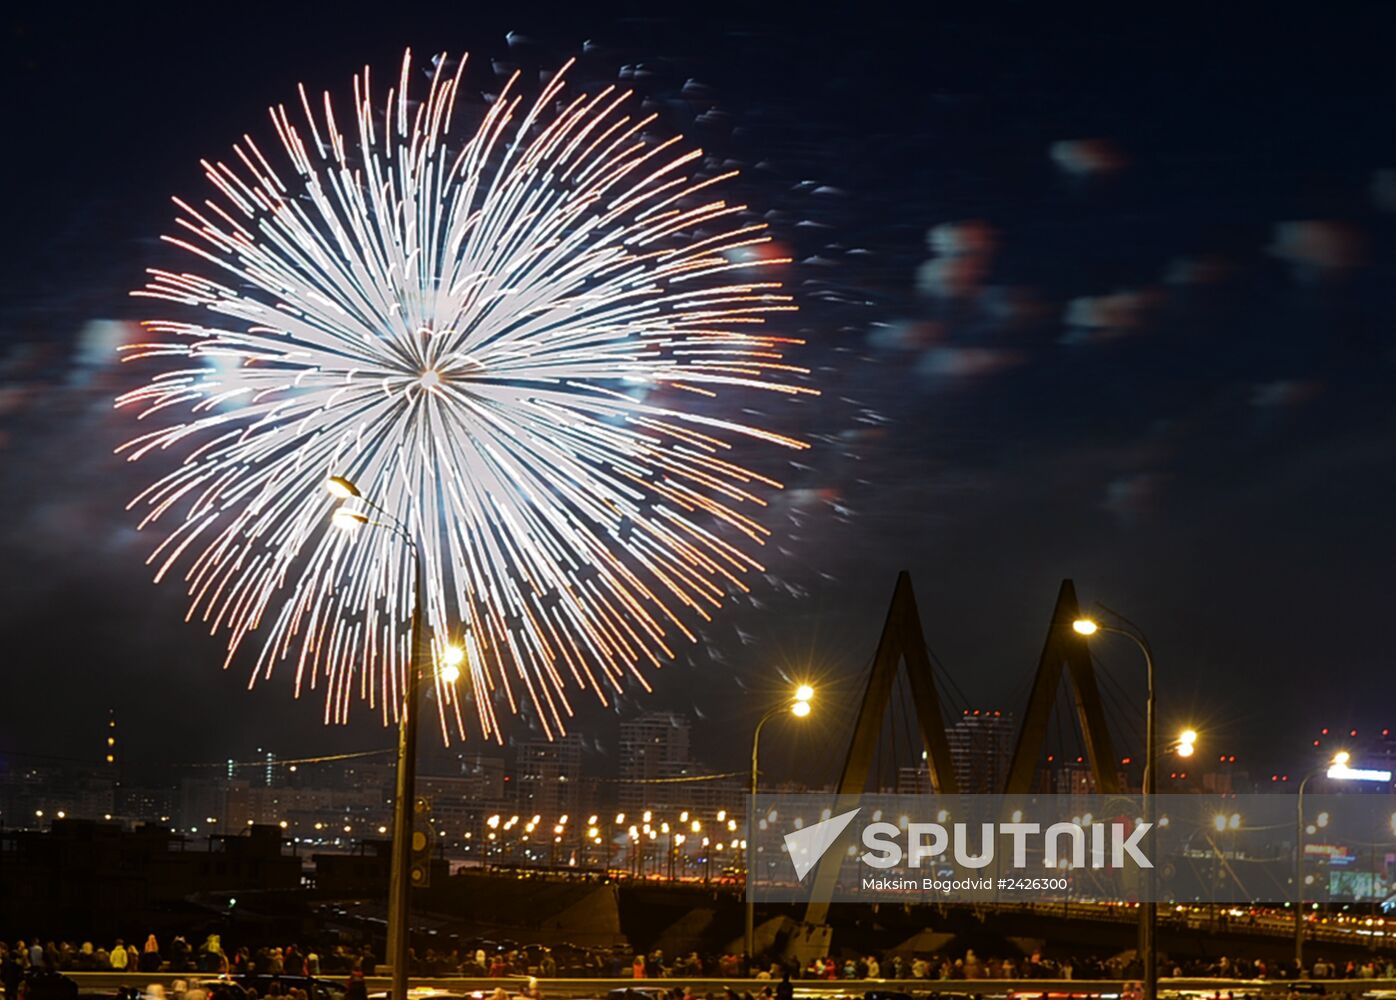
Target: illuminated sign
x: 1342, y: 772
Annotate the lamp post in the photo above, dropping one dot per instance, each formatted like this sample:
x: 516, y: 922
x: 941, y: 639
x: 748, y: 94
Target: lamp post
x: 1148, y: 912
x: 1337, y: 770
x: 799, y: 706
x: 400, y: 876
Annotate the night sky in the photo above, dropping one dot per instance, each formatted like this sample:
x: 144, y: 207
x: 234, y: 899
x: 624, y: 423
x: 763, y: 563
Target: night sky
x: 1100, y: 297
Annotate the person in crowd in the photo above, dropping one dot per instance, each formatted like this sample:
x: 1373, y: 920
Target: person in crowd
x: 211, y: 957
x: 11, y: 969
x: 150, y: 960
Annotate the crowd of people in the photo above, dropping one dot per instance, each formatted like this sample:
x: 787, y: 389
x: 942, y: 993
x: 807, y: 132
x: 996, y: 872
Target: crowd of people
x: 211, y: 958
x: 25, y: 957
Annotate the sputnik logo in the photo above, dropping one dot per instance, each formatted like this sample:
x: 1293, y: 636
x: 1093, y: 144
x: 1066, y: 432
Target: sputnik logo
x: 807, y: 846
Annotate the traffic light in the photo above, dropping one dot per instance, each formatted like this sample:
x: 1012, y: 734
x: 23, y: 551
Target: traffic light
x: 423, y: 837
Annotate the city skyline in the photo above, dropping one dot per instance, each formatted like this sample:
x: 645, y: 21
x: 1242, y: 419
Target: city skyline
x: 558, y: 779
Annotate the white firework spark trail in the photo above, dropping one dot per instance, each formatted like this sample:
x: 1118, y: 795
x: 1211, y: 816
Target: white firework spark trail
x: 462, y: 328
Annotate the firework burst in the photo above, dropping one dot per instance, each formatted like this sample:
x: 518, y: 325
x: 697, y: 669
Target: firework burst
x: 511, y: 337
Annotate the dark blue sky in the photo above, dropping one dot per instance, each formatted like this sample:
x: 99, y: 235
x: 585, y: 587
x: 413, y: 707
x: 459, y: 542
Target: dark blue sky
x: 1099, y: 296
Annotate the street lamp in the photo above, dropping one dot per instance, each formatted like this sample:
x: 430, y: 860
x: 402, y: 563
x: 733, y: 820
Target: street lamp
x: 1337, y: 770
x: 400, y: 879
x: 451, y: 659
x: 1187, y: 743
x: 1148, y: 912
x: 798, y: 706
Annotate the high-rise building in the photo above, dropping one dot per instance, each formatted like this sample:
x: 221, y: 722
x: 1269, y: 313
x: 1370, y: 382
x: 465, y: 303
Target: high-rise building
x: 486, y: 775
x: 653, y: 748
x: 914, y: 780
x: 981, y: 747
x: 548, y: 776
x: 271, y: 775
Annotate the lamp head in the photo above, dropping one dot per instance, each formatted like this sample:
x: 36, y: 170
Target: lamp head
x: 800, y: 709
x: 804, y: 693
x: 1084, y: 626
x: 342, y: 488
x: 348, y: 520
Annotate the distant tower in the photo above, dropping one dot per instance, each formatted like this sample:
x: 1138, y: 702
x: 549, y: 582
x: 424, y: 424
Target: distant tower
x: 111, y: 767
x: 109, y: 752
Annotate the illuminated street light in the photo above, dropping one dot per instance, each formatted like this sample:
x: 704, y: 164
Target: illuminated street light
x: 348, y: 520
x: 451, y: 659
x: 342, y: 488
x: 1148, y: 912
x: 1187, y: 743
x: 399, y: 880
x: 1337, y: 770
x: 799, y: 707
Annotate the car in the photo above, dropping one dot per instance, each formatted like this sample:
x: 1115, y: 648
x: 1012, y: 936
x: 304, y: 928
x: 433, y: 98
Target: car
x: 316, y: 987
x: 636, y: 993
x: 219, y: 988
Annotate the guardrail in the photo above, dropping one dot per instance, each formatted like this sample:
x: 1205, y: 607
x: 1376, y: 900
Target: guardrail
x: 813, y: 988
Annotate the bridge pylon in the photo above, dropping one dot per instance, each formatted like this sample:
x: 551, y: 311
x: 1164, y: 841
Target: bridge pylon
x: 902, y: 640
x: 1063, y: 652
